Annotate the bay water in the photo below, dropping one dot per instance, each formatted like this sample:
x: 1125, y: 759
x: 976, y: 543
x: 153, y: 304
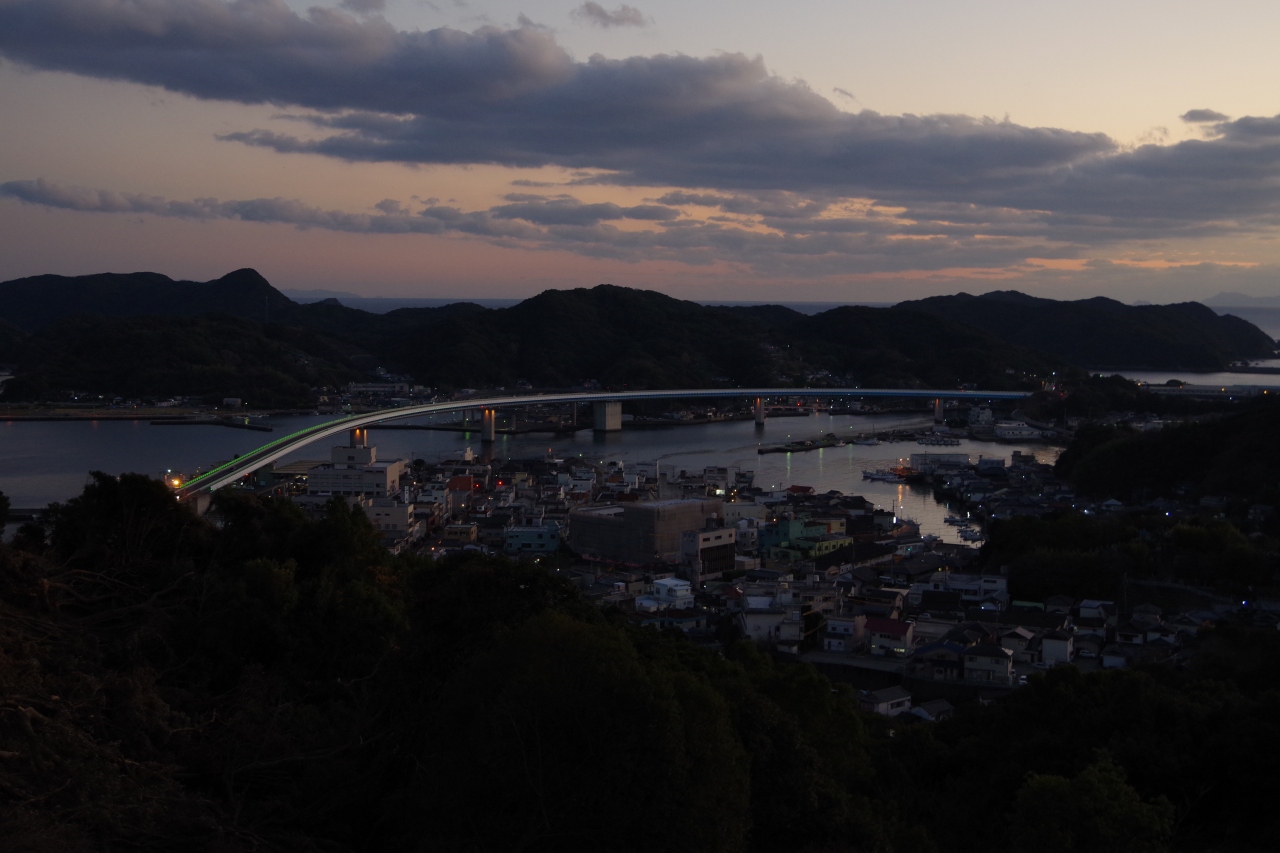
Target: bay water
x: 42, y: 462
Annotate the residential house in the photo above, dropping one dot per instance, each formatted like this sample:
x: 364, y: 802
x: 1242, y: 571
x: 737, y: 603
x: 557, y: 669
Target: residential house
x: 1056, y: 647
x: 1017, y: 640
x: 940, y: 661
x: 392, y: 518
x: 988, y: 663
x: 1147, y: 614
x: 972, y: 587
x: 1091, y: 611
x: 1089, y: 645
x: 843, y: 633
x: 1059, y: 604
x: 1131, y: 634
x: 890, y: 701
x: 668, y: 594
x: 1030, y: 618
x: 455, y: 535
x: 941, y: 604
x: 688, y: 621
x: 889, y: 637
x: 935, y: 711
x: 1115, y: 657
x: 537, y: 540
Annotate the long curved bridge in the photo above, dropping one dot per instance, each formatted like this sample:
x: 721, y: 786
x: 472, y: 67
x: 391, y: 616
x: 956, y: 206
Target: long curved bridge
x: 235, y: 469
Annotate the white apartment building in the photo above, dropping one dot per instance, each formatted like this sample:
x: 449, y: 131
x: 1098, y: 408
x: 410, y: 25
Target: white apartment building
x: 355, y: 470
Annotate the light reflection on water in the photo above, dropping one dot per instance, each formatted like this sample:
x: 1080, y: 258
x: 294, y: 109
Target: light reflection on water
x: 44, y: 462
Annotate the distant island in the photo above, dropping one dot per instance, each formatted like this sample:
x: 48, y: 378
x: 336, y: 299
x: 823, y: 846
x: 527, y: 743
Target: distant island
x: 1230, y: 299
x: 144, y: 335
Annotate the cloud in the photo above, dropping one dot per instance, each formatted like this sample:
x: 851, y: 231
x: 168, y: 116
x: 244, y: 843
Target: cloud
x: 570, y: 211
x: 49, y: 194
x: 769, y: 153
x: 783, y: 235
x: 844, y: 93
x: 325, y: 60
x: 515, y: 97
x: 1203, y: 116
x: 597, y: 15
x: 392, y: 216
x: 364, y: 7
x: 526, y: 22
x: 721, y: 122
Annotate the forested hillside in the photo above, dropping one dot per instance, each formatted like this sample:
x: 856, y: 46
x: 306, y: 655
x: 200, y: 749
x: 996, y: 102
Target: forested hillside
x: 620, y: 337
x: 1102, y: 332
x: 1235, y: 456
x: 212, y: 356
x: 279, y: 683
x: 39, y: 301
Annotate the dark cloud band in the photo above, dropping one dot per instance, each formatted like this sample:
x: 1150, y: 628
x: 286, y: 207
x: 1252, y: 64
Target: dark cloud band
x: 1203, y: 116
x: 770, y: 235
x: 721, y: 128
x: 515, y: 97
x: 595, y: 14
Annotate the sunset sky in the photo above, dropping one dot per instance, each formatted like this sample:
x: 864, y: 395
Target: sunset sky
x: 825, y: 151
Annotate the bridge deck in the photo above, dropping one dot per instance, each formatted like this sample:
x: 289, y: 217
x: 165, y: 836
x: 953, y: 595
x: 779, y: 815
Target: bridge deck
x: 281, y: 447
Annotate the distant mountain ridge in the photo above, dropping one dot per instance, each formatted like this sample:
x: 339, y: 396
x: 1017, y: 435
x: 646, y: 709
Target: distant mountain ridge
x: 1101, y: 332
x: 619, y: 336
x: 1230, y: 299
x: 35, y: 302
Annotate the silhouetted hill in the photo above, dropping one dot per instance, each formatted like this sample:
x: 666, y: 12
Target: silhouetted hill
x: 11, y: 338
x: 39, y: 301
x: 1236, y: 457
x: 641, y: 339
x: 621, y: 337
x: 214, y: 356
x: 893, y: 349
x: 1101, y: 332
x: 617, y: 335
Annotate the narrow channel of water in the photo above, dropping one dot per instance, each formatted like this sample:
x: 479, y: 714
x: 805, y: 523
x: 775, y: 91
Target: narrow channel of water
x: 41, y: 462
x: 1222, y: 378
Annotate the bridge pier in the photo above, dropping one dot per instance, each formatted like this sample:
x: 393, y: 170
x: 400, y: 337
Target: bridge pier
x: 608, y: 416
x: 759, y: 411
x: 201, y: 501
x: 937, y: 411
x: 488, y: 425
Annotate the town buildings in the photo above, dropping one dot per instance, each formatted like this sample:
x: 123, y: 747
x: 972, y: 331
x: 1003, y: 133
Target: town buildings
x: 823, y: 577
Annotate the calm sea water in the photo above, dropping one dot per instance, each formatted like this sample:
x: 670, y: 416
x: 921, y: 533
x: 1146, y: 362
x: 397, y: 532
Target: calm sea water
x: 1221, y: 378
x: 1266, y: 318
x: 45, y: 462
